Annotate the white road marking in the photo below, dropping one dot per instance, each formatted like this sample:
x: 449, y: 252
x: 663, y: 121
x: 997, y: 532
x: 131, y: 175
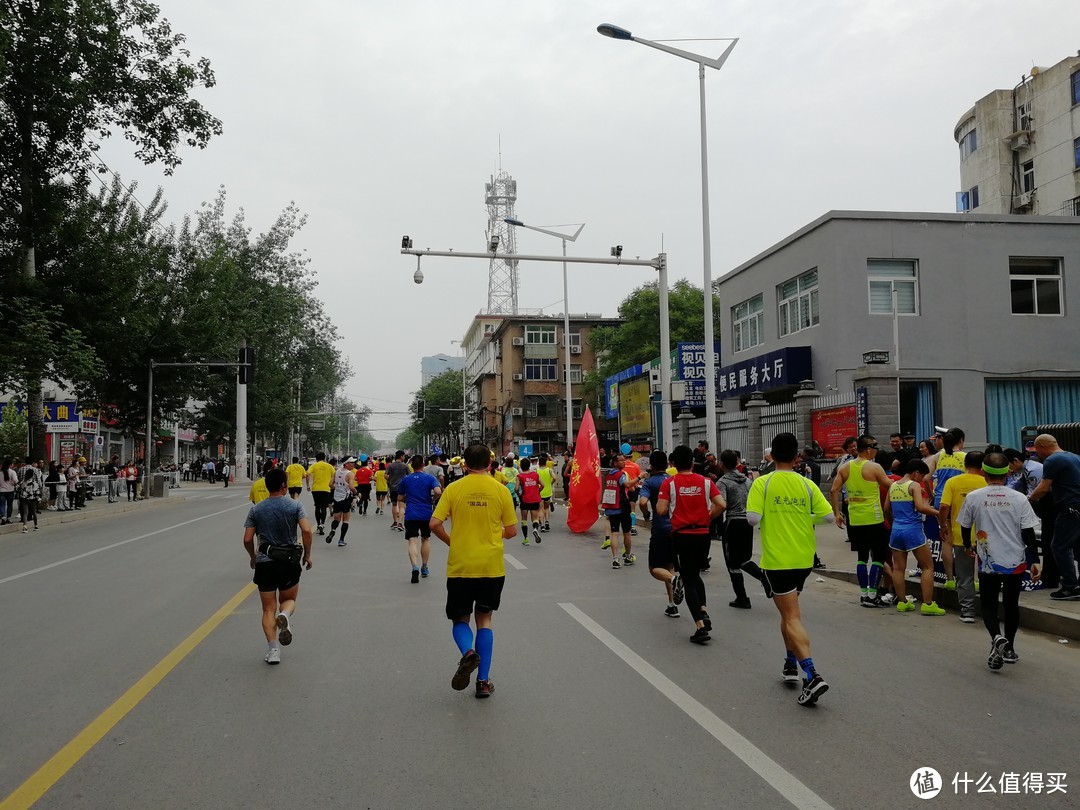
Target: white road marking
x: 115, y: 545
x: 757, y: 760
x: 514, y: 562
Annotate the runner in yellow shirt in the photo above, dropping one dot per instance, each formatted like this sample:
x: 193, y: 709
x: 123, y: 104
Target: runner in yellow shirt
x: 547, y: 483
x: 382, y: 488
x: 295, y: 473
x: 787, y: 506
x: 319, y: 476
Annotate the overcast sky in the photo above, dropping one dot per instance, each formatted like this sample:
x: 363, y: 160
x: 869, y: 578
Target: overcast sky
x: 385, y: 118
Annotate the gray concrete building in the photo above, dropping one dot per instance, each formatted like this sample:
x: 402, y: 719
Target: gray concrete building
x: 985, y: 334
x: 1020, y: 148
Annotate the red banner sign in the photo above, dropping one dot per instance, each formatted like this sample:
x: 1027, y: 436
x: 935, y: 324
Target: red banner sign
x: 830, y: 426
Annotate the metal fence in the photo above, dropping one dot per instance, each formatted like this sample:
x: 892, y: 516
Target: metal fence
x: 777, y: 419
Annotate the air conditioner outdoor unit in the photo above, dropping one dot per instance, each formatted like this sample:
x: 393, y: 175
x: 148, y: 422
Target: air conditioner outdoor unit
x: 519, y: 376
x: 575, y: 350
x: 1021, y: 139
x: 517, y: 411
x: 518, y: 341
x: 1025, y: 200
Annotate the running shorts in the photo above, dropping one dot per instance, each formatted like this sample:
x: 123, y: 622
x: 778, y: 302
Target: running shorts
x: 907, y: 538
x: 619, y: 522
x: 321, y: 498
x: 393, y: 496
x: 530, y: 507
x: 661, y: 549
x: 464, y: 595
x: 276, y: 576
x: 782, y: 581
x: 872, y: 540
x: 417, y: 528
x: 295, y: 490
x: 344, y: 505
x: 365, y: 491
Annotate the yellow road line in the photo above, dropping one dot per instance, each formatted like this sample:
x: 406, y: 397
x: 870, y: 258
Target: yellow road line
x: 66, y: 758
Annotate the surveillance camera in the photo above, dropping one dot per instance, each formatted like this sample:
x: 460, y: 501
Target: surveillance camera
x: 418, y: 276
x: 493, y: 244
x: 406, y: 242
x: 617, y: 251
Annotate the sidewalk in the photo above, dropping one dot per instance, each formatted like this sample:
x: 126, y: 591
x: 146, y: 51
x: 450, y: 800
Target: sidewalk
x: 96, y: 508
x: 1037, y: 610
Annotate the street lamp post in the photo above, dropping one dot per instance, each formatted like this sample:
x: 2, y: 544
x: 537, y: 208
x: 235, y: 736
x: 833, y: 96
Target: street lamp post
x: 615, y: 32
x: 566, y: 317
x: 659, y: 264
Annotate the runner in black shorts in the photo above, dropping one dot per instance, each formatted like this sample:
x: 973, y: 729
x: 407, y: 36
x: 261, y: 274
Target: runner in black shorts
x: 780, y: 582
x: 465, y: 595
x: 662, y: 563
x: 344, y: 490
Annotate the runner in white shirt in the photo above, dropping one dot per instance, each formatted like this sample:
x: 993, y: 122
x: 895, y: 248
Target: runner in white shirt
x: 344, y: 489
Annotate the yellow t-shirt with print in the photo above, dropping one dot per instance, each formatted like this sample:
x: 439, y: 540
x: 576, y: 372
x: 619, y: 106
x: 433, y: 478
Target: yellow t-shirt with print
x: 478, y: 507
x: 321, y: 475
x: 295, y: 473
x: 258, y: 491
x: 956, y: 490
x: 380, y: 481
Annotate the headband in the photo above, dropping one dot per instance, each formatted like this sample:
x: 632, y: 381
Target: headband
x: 996, y: 471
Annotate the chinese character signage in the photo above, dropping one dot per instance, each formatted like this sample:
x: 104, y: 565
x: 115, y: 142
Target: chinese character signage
x: 690, y: 367
x: 58, y: 417
x: 776, y: 369
x: 830, y: 426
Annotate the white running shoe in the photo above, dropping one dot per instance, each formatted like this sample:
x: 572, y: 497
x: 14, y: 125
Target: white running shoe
x: 284, y: 630
x: 273, y: 656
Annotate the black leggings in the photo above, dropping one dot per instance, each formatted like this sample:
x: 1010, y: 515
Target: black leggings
x: 1008, y: 585
x: 738, y: 550
x: 693, y: 551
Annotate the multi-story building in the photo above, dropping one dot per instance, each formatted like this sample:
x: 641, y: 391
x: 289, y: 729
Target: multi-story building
x: 1020, y: 148
x: 517, y: 367
x: 985, y: 324
x: 434, y: 365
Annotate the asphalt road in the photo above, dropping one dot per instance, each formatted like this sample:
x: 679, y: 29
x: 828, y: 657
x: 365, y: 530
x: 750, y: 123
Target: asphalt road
x: 601, y: 700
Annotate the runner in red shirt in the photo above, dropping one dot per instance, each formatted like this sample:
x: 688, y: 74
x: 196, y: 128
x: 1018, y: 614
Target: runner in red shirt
x: 364, y: 476
x: 528, y: 481
x: 692, y: 501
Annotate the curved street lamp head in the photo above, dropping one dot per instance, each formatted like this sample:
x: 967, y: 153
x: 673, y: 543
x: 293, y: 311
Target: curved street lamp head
x: 418, y: 276
x: 614, y: 31
x: 512, y: 221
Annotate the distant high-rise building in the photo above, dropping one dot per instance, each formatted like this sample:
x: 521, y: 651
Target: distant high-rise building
x: 434, y: 365
x: 1020, y: 148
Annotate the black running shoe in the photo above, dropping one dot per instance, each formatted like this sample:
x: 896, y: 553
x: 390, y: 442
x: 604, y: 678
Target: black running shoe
x: 812, y: 690
x: 465, y: 668
x: 330, y: 537
x: 671, y: 611
x: 678, y: 591
x: 485, y: 689
x: 791, y: 672
x: 707, y: 622
x: 997, y: 652
x: 415, y: 576
x: 701, y: 635
x: 743, y: 603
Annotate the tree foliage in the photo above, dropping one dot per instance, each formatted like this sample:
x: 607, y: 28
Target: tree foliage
x: 13, y: 433
x: 442, y: 398
x: 637, y: 339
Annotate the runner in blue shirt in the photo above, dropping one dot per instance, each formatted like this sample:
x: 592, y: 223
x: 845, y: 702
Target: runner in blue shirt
x: 418, y: 491
x: 661, y: 546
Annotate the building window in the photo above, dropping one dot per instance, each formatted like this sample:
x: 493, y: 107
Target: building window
x: 968, y: 144
x: 1076, y: 87
x: 797, y: 301
x: 575, y: 339
x: 1035, y: 286
x: 1027, y: 176
x: 489, y: 328
x: 967, y: 200
x: 1076, y: 153
x: 748, y: 323
x: 1023, y: 115
x: 575, y: 373
x: 541, y: 409
x: 540, y: 334
x: 886, y: 275
x: 575, y: 409
x: 541, y: 368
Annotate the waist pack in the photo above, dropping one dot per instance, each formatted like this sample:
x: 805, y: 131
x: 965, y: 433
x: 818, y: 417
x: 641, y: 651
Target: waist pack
x: 287, y: 554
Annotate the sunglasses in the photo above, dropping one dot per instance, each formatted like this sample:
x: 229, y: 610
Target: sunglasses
x: 871, y: 447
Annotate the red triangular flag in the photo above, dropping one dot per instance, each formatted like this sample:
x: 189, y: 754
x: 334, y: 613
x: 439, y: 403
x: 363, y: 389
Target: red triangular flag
x: 583, y: 501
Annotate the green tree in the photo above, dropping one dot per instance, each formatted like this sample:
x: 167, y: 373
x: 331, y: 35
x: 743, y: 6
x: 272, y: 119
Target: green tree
x: 13, y: 433
x: 409, y: 440
x: 637, y: 339
x: 442, y: 410
x: 71, y: 73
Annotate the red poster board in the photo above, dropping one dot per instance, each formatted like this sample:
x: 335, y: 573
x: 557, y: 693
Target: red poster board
x: 830, y: 426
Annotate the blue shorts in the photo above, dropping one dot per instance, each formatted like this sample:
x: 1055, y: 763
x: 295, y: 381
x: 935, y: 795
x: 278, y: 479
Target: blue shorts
x: 906, y: 538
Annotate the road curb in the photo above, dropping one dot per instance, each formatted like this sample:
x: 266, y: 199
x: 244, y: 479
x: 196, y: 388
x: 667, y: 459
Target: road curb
x: 1043, y: 618
x: 50, y: 518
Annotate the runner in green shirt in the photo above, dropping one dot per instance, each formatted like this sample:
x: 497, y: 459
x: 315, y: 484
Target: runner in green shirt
x: 786, y: 506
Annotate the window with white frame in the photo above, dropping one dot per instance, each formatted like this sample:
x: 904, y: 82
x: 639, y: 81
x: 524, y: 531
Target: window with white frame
x: 1027, y: 176
x: 968, y: 144
x: 797, y: 303
x: 541, y: 368
x: 748, y: 323
x: 575, y: 339
x: 575, y: 373
x: 575, y: 409
x: 540, y: 334
x: 886, y: 275
x: 1035, y: 285
x: 1023, y: 114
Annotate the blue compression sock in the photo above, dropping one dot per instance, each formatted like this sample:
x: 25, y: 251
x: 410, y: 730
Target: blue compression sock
x: 633, y: 520
x: 462, y: 635
x: 860, y: 571
x: 807, y: 665
x: 791, y: 659
x: 875, y: 575
x: 485, y: 640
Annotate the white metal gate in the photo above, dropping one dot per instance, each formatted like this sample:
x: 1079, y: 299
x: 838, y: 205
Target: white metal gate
x: 777, y: 419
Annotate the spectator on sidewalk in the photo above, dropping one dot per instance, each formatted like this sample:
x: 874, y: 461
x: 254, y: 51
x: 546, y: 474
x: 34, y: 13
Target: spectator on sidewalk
x: 30, y: 492
x: 8, y: 479
x: 112, y: 472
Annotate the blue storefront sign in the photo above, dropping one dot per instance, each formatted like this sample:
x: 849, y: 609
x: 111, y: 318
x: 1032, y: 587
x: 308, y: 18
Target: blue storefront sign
x: 776, y: 369
x: 58, y: 417
x: 690, y: 367
x: 611, y: 389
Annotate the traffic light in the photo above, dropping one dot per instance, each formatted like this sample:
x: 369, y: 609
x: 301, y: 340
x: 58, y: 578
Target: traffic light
x: 247, y: 366
x: 419, y: 410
